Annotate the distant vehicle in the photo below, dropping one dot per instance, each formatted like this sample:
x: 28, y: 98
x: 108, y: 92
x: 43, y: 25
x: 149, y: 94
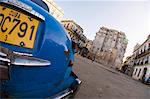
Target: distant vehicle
x: 84, y: 52
x: 148, y: 81
x: 36, y: 54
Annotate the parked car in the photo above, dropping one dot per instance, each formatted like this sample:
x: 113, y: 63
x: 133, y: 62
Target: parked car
x: 36, y: 54
x: 148, y: 81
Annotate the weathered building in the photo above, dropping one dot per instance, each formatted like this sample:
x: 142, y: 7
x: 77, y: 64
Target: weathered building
x: 75, y: 32
x: 127, y: 67
x: 88, y: 44
x: 142, y: 61
x: 109, y: 46
x: 54, y: 9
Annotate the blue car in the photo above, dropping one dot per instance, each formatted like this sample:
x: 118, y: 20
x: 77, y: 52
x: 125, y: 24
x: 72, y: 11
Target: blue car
x: 36, y: 53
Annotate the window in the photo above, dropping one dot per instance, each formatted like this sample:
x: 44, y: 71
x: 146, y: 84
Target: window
x: 139, y: 73
x: 138, y: 62
x: 135, y: 71
x: 67, y: 25
x: 134, y: 63
x: 144, y: 48
x: 137, y: 53
x: 148, y: 59
x: 146, y: 62
x: 141, y: 62
x: 93, y: 47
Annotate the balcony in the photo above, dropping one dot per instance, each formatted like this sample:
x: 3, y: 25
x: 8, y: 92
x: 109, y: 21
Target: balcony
x: 143, y: 54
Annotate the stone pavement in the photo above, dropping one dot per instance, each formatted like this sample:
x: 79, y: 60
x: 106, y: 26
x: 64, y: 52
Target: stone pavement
x: 98, y: 81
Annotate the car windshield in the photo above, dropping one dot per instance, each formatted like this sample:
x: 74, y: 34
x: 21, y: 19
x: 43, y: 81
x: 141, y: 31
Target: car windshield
x: 42, y: 4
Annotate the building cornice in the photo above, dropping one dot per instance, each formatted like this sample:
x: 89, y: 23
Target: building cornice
x: 141, y: 45
x: 73, y: 23
x: 141, y: 65
x: 143, y: 54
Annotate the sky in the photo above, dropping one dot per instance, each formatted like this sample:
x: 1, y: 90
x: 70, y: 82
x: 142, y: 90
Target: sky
x: 129, y: 16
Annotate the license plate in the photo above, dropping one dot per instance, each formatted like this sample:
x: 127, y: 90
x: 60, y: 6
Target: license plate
x: 17, y: 28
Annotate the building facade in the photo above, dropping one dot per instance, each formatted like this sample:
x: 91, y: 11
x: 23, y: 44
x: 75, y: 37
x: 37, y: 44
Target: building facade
x: 88, y: 44
x: 142, y: 61
x: 75, y: 32
x: 109, y: 46
x: 55, y: 10
x: 127, y: 67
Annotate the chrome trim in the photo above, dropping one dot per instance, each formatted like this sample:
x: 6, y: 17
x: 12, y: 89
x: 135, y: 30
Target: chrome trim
x: 18, y: 4
x: 22, y: 59
x: 29, y: 61
x: 4, y: 59
x: 23, y: 6
x: 26, y: 54
x: 61, y: 94
x: 64, y: 95
x: 3, y: 54
x: 79, y: 81
x: 66, y: 92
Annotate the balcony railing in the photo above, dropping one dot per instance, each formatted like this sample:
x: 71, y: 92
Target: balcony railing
x: 143, y: 54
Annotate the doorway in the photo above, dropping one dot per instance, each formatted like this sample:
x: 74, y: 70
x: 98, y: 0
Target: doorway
x: 144, y: 73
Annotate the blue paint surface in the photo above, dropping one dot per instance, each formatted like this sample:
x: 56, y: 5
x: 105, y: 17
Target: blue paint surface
x: 50, y: 44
